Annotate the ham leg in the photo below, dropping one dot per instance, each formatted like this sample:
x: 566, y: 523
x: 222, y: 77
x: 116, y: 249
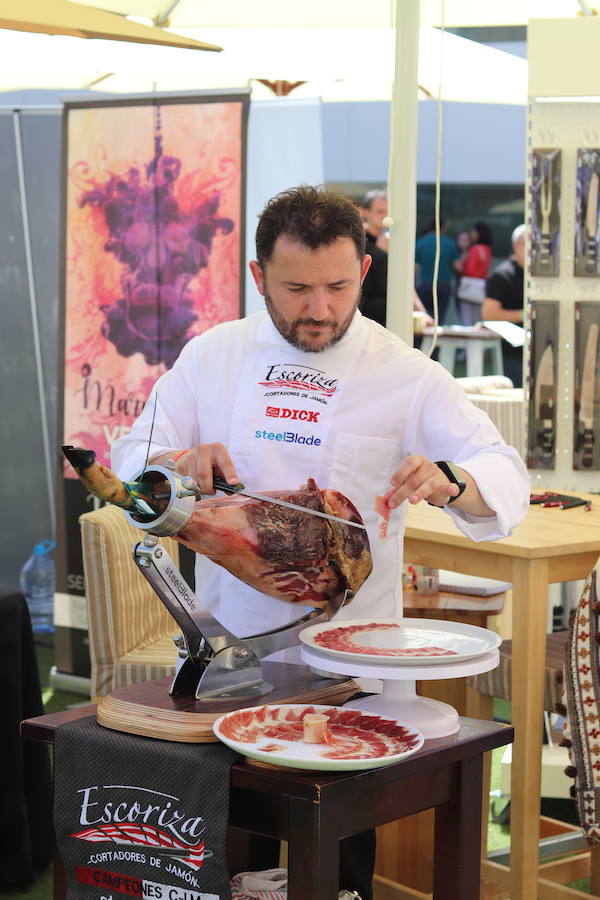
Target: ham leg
x: 283, y: 552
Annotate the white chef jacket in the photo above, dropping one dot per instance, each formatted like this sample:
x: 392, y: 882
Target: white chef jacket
x: 346, y: 417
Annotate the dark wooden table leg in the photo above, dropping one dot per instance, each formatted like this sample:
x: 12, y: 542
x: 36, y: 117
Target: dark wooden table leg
x: 456, y: 867
x: 313, y: 854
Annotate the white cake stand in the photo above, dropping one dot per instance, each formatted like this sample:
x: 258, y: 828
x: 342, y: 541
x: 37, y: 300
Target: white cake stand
x: 399, y: 698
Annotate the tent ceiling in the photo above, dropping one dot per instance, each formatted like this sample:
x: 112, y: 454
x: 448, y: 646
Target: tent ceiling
x: 329, y: 67
x: 278, y: 14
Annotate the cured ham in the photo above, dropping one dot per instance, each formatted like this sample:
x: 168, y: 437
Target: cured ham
x: 347, y: 733
x: 343, y: 639
x: 283, y: 552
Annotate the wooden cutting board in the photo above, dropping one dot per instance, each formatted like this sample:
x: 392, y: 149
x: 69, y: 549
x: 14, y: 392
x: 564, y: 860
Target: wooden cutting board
x: 149, y: 710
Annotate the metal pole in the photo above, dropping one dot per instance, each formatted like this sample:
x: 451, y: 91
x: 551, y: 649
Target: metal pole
x: 34, y: 315
x: 402, y: 178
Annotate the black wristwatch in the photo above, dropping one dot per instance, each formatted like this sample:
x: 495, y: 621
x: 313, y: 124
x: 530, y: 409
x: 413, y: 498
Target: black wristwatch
x: 452, y: 473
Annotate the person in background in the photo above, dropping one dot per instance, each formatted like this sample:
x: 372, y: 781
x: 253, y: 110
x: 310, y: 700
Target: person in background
x: 373, y: 210
x: 425, y: 252
x: 504, y: 302
x: 373, y: 301
x: 473, y: 269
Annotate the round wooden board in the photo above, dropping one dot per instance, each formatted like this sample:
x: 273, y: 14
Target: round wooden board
x: 149, y: 710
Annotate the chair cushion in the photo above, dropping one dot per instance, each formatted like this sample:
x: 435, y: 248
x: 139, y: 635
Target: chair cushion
x: 497, y: 683
x: 124, y: 613
x: 156, y: 660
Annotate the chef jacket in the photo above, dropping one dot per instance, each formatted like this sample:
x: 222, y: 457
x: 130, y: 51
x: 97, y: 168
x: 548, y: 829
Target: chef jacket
x: 346, y: 417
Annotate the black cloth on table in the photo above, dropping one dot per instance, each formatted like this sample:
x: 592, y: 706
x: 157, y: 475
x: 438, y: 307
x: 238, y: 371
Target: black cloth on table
x: 505, y: 285
x: 26, y: 838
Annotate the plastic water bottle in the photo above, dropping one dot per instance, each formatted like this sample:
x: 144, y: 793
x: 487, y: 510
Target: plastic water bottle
x: 37, y: 585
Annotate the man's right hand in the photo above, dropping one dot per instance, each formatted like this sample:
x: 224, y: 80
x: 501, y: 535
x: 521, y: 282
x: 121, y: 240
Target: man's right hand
x: 202, y: 462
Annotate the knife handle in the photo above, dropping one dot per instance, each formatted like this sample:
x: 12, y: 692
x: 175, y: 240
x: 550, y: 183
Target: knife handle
x: 220, y: 484
x: 586, y: 445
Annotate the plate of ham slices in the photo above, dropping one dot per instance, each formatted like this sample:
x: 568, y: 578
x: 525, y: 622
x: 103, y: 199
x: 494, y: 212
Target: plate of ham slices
x: 317, y: 737
x: 400, y: 641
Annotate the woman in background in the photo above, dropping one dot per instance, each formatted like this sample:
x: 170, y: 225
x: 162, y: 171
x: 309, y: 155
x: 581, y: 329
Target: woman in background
x: 473, y: 269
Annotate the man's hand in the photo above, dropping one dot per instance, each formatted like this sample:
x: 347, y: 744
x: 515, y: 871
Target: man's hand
x: 202, y: 462
x: 416, y: 479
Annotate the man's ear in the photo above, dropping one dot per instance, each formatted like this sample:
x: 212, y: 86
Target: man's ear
x: 258, y: 275
x: 366, y: 265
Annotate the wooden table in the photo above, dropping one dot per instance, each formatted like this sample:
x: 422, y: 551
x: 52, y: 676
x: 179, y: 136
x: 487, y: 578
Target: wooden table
x: 551, y: 545
x: 314, y: 810
x: 473, y: 340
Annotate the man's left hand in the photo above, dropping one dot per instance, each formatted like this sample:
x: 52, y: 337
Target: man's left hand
x: 418, y: 478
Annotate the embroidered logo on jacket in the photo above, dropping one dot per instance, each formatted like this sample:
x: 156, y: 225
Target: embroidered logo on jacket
x: 304, y: 415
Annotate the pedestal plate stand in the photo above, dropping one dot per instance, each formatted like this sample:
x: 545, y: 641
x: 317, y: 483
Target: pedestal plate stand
x: 399, y: 699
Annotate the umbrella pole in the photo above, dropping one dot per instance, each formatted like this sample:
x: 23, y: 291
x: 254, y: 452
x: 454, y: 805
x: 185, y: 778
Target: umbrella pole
x: 402, y: 171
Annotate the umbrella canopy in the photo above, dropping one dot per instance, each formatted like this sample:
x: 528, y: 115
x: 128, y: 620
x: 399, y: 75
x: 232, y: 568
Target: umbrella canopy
x: 83, y: 20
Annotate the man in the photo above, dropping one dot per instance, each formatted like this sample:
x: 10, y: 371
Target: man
x: 376, y: 415
x: 373, y: 303
x: 504, y: 301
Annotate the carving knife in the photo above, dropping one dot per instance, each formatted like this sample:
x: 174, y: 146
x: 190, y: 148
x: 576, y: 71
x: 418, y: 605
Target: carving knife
x: 544, y: 402
x: 588, y: 385
x: 221, y: 485
x: 591, y: 225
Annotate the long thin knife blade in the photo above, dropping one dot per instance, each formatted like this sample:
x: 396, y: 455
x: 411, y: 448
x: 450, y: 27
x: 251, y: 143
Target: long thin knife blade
x: 240, y: 489
x: 588, y: 380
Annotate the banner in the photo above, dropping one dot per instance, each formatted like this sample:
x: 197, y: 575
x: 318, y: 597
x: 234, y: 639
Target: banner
x: 154, y: 216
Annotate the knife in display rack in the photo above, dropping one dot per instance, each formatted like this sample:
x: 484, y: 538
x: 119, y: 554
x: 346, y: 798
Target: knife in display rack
x: 587, y: 334
x: 545, y: 210
x: 542, y: 385
x: 591, y: 226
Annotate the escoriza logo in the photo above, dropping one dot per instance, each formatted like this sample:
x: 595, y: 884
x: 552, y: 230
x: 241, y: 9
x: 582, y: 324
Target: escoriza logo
x: 302, y: 379
x: 112, y: 816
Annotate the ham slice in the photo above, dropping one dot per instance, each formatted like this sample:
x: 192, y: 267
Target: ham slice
x: 284, y: 552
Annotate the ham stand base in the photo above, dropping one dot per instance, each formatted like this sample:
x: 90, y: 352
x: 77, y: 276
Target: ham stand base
x: 399, y: 699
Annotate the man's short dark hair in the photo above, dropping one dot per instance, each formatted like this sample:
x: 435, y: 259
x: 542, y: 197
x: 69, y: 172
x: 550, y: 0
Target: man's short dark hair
x: 311, y: 216
x: 370, y: 196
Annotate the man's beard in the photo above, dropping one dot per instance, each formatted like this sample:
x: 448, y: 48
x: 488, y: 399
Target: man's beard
x: 289, y: 331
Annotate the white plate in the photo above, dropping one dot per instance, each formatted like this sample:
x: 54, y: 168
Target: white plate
x: 244, y: 731
x: 401, y: 642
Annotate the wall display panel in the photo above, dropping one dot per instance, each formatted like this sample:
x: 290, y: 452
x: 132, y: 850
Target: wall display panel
x: 587, y: 262
x: 543, y: 371
x: 544, y: 246
x: 586, y: 413
x: 154, y: 222
x: 574, y: 129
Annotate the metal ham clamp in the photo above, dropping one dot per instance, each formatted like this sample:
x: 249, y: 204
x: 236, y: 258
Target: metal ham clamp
x: 213, y: 663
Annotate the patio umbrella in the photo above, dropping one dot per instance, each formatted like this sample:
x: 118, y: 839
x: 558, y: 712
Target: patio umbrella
x: 85, y: 21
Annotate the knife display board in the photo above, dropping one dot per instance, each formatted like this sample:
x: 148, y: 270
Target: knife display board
x: 543, y: 372
x: 586, y: 417
x: 562, y: 293
x: 545, y: 211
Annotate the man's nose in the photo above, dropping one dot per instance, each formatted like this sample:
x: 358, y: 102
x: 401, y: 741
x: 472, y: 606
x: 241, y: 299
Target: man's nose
x: 317, y: 305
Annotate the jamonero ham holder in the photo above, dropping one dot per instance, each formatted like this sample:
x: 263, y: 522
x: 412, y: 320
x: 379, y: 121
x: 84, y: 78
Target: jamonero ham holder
x: 307, y: 546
